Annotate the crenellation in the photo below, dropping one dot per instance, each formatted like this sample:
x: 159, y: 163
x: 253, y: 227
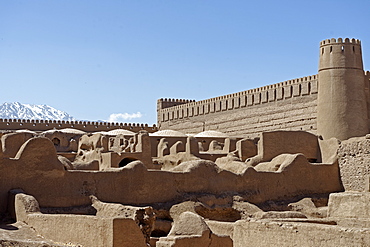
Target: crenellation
x: 229, y: 103
x: 181, y: 113
x: 287, y: 91
x: 271, y: 95
x: 296, y: 90
x: 264, y: 96
x: 217, y: 106
x: 223, y: 105
x: 243, y: 100
x: 190, y: 112
x: 339, y: 41
x: 195, y: 111
x: 236, y: 102
x: 42, y: 125
x: 206, y: 108
x: 257, y: 98
x: 250, y: 99
x: 288, y: 96
x: 313, y: 87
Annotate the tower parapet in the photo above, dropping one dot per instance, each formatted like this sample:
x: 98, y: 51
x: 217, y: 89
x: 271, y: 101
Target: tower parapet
x: 341, y: 108
x: 340, y: 54
x: 166, y: 103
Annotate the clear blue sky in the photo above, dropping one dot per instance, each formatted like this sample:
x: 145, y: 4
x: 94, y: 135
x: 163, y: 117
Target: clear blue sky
x: 96, y: 58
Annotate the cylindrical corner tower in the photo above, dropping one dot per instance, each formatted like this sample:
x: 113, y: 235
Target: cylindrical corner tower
x: 341, y: 106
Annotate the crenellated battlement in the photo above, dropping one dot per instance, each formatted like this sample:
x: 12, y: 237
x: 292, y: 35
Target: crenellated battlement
x: 175, y: 100
x: 340, y: 41
x: 342, y: 79
x: 165, y: 103
x: 341, y: 54
x: 275, y: 92
x: 88, y: 126
x: 323, y: 100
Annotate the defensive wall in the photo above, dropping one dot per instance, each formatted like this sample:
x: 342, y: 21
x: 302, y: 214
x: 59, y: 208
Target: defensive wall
x: 87, y: 126
x: 288, y: 105
x: 333, y: 103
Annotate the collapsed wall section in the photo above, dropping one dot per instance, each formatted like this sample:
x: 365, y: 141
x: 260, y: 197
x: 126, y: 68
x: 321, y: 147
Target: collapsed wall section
x: 289, y: 105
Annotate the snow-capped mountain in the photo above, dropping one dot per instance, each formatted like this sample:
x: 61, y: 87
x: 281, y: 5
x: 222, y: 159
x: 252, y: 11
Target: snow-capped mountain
x: 17, y: 110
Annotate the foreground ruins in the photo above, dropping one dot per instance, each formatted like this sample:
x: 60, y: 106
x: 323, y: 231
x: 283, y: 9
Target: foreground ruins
x: 88, y: 184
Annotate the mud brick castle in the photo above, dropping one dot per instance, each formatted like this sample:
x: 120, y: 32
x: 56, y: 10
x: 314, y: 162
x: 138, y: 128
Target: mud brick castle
x: 285, y: 165
x: 332, y: 103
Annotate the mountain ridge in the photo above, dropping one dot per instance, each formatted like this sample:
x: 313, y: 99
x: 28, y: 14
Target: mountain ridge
x: 18, y: 110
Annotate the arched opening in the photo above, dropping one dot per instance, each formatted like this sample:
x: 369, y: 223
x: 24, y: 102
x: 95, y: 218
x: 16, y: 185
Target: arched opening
x: 125, y: 161
x: 56, y: 141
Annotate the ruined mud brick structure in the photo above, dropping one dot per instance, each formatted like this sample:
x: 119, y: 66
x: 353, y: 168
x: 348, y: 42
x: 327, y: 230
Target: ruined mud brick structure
x: 333, y: 103
x: 304, y: 181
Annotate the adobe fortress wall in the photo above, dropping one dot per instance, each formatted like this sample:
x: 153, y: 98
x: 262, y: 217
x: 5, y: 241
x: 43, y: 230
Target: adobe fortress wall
x: 87, y: 126
x: 288, y: 105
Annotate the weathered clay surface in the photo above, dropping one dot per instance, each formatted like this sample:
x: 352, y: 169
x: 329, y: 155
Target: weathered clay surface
x: 307, y: 207
x: 143, y: 216
x: 354, y: 163
x: 191, y: 189
x: 21, y: 235
x: 190, y: 229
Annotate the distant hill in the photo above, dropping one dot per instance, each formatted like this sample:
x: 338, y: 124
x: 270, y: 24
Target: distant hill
x: 17, y: 110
